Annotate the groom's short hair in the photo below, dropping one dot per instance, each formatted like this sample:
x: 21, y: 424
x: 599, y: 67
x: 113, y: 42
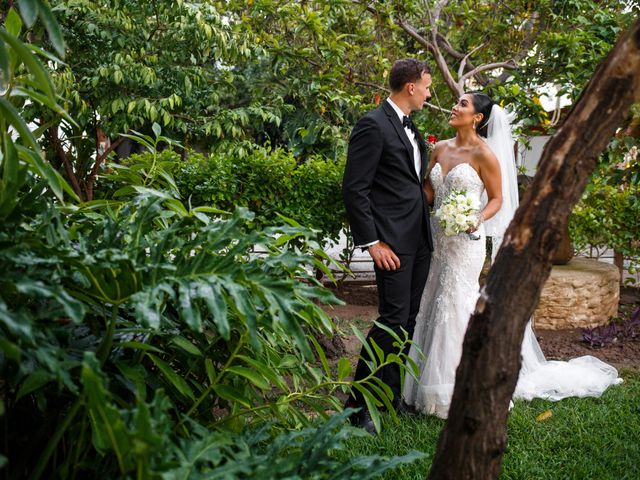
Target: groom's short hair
x: 406, y: 70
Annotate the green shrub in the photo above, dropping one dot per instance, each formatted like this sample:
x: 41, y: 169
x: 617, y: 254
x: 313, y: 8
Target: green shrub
x: 608, y: 217
x: 266, y: 182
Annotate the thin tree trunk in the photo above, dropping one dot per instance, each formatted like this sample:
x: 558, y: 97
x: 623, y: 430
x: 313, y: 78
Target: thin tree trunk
x: 618, y: 261
x: 473, y: 441
x: 91, y: 179
x: 64, y: 158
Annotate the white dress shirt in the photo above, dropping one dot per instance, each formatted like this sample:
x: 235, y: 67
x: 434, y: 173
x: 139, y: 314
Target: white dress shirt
x: 417, y: 159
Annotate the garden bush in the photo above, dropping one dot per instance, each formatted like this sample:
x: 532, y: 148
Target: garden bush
x: 267, y: 182
x: 608, y: 216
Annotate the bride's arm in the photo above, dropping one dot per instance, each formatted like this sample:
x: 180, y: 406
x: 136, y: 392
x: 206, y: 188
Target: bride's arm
x: 426, y: 184
x: 492, y: 179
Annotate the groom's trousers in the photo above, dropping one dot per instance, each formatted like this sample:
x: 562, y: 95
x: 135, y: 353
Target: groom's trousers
x: 399, y: 294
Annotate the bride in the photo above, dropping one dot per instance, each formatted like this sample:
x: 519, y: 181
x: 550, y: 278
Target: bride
x: 480, y: 162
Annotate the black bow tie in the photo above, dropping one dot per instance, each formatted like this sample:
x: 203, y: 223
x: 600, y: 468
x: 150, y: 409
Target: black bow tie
x: 408, y: 123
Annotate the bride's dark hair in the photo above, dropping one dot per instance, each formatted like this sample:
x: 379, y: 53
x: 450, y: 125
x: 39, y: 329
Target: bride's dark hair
x: 483, y: 104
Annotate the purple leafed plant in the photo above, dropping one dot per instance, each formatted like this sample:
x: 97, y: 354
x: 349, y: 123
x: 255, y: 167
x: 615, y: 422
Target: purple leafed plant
x: 625, y: 328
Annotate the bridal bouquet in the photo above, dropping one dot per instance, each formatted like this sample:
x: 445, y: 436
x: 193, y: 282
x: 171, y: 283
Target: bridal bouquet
x: 458, y: 213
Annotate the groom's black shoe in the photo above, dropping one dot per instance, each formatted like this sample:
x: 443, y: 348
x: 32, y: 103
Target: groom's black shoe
x: 362, y: 419
x: 406, y: 410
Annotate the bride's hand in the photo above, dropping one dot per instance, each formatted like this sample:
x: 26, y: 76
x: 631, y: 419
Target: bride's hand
x: 477, y: 225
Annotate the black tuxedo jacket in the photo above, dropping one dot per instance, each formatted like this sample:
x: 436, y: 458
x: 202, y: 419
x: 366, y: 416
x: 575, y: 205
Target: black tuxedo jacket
x: 382, y: 193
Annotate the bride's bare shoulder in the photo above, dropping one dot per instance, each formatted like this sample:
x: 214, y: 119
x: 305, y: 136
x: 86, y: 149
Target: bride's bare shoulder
x: 484, y: 154
x: 442, y: 145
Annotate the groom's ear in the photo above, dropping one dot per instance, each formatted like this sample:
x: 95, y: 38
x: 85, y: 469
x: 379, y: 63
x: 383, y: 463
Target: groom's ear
x: 410, y: 88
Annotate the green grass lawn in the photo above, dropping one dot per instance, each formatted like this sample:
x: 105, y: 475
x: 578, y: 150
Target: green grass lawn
x: 588, y: 438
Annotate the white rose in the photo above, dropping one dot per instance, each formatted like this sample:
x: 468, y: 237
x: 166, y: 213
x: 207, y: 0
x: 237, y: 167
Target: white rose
x: 462, y: 220
x: 448, y: 209
x: 462, y: 208
x: 460, y: 198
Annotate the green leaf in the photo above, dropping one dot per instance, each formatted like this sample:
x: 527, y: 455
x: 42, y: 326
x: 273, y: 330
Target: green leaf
x: 321, y: 355
x: 13, y: 23
x: 43, y: 100
x: 170, y: 374
x: 12, y: 180
x: 211, y: 373
x: 267, y: 371
x: 186, y: 345
x: 344, y: 368
x: 218, y: 309
x: 370, y: 401
x: 52, y: 27
x: 72, y: 307
x: 250, y: 375
x: 9, y: 112
x: 189, y: 311
x: 231, y: 394
x: 10, y: 349
x: 156, y: 129
x: 31, y: 62
x: 108, y: 428
x: 5, y: 67
x: 29, y: 11
x: 33, y: 382
x: 139, y: 346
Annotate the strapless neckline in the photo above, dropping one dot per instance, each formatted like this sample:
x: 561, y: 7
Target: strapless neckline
x: 443, y: 176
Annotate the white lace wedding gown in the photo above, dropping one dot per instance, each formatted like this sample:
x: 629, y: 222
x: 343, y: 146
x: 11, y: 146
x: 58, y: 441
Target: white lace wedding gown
x: 448, y: 300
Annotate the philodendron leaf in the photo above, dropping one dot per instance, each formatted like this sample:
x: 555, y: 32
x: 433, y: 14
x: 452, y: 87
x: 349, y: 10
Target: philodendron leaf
x: 72, y: 307
x: 108, y: 428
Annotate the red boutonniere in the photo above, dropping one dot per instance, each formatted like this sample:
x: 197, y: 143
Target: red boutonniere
x: 431, y: 141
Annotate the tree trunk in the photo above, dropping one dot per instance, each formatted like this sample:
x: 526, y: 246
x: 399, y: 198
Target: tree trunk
x: 618, y: 261
x: 473, y: 441
x: 64, y: 159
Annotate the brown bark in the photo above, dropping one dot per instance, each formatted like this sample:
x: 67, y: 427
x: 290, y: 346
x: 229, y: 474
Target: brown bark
x: 473, y: 441
x: 64, y: 158
x: 618, y: 261
x: 96, y: 166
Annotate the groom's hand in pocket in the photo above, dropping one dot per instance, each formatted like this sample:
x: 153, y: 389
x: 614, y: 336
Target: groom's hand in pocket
x: 384, y: 257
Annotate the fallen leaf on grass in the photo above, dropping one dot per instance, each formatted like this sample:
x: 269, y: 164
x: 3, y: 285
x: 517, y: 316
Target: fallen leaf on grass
x: 544, y: 416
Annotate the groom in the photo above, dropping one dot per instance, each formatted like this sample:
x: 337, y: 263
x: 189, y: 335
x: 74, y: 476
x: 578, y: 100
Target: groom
x: 389, y: 215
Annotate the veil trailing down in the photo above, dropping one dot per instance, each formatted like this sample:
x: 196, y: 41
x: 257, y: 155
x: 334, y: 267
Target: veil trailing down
x: 539, y: 378
x: 452, y: 288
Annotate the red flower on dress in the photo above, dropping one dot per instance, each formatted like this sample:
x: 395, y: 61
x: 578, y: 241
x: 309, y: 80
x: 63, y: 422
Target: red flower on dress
x: 432, y: 139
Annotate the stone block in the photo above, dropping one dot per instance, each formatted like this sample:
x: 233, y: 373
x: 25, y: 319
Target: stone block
x: 584, y: 293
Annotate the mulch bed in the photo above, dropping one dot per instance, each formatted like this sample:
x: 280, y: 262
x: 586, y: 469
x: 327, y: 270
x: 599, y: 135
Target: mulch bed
x: 361, y: 309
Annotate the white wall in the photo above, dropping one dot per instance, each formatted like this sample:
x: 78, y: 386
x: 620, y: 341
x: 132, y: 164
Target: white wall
x: 529, y: 156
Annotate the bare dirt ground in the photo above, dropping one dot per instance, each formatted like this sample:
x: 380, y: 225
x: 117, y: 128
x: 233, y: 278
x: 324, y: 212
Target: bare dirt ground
x: 361, y: 310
